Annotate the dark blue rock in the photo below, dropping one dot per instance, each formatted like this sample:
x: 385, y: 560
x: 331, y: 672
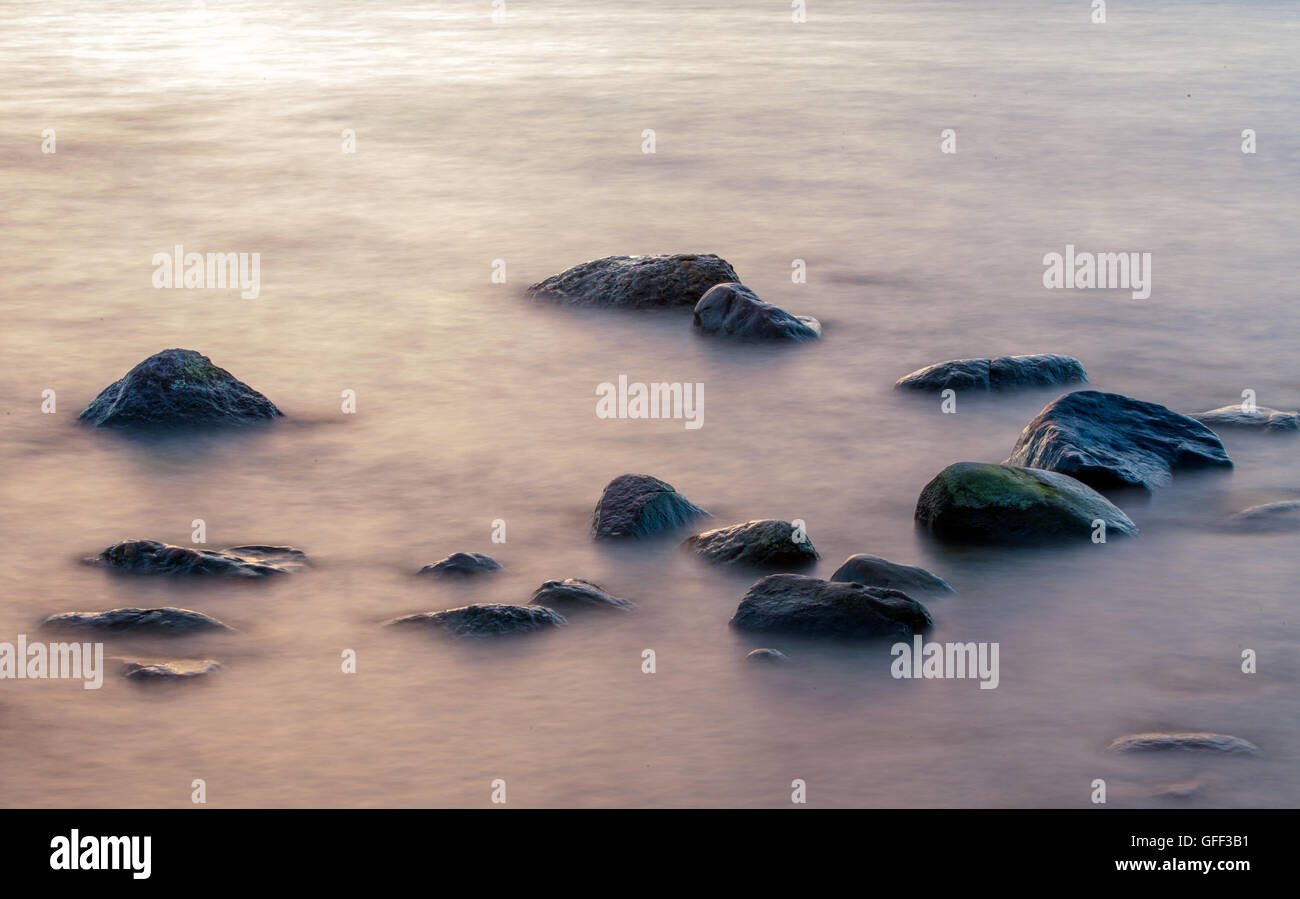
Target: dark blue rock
x: 485, y: 620
x: 462, y: 565
x: 153, y: 557
x: 637, y: 505
x: 798, y: 604
x: 735, y: 310
x: 873, y: 571
x: 164, y: 621
x: 1004, y: 373
x: 637, y: 282
x: 765, y: 543
x: 572, y: 592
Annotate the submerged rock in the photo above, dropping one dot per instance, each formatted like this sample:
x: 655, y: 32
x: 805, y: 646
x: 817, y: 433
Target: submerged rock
x: 638, y: 282
x: 177, y: 388
x: 1003, y: 373
x: 152, y: 557
x: 462, y: 565
x: 1189, y: 742
x: 767, y: 542
x: 873, y: 571
x: 1268, y: 518
x: 735, y: 310
x: 637, y: 505
x: 1109, y: 440
x: 767, y: 656
x: 1263, y: 418
x: 486, y: 620
x: 166, y: 620
x: 178, y: 669
x: 577, y: 592
x: 799, y: 604
x: 983, y: 502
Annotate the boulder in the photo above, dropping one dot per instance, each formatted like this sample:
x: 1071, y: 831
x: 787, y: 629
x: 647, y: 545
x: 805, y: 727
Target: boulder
x: 1189, y: 742
x: 152, y: 557
x: 767, y: 543
x: 486, y: 620
x: 809, y: 606
x: 162, y: 621
x: 462, y: 565
x: 638, y: 282
x: 1004, y: 373
x: 577, y: 592
x: 171, y: 670
x: 637, y: 505
x: 986, y: 503
x: 1268, y: 518
x: 767, y: 656
x: 1263, y: 418
x: 177, y: 388
x: 873, y: 571
x: 1108, y: 440
x: 735, y: 310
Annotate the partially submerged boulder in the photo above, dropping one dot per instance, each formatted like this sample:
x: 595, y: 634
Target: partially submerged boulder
x: 799, y: 604
x: 637, y: 505
x: 986, y: 503
x: 462, y: 565
x: 767, y: 656
x: 1267, y: 518
x: 574, y: 591
x: 485, y: 620
x: 638, y: 282
x: 172, y: 670
x: 1183, y: 742
x: 767, y: 542
x: 161, y: 621
x: 1003, y: 373
x: 153, y: 557
x: 873, y: 571
x: 735, y: 310
x: 1260, y: 418
x: 1109, y: 440
x: 177, y: 388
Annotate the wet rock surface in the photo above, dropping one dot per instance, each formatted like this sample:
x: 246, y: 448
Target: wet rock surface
x: 462, y: 565
x: 809, y: 606
x: 576, y: 593
x: 1109, y: 440
x: 765, y: 656
x: 736, y: 311
x: 167, y: 620
x: 151, y: 557
x: 873, y: 571
x: 173, y: 670
x: 637, y: 505
x: 1003, y: 373
x: 177, y: 388
x: 1183, y: 742
x: 1267, y: 518
x: 1262, y: 418
x: 767, y: 543
x: 485, y: 620
x: 638, y: 282
x: 987, y: 503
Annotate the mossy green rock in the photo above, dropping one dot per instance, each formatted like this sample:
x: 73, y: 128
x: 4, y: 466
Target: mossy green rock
x: 984, y: 502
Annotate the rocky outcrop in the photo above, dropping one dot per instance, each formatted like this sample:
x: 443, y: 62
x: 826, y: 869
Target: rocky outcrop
x: 572, y: 592
x: 152, y: 557
x: 798, y: 604
x: 175, y: 670
x: 1108, y: 440
x: 873, y: 571
x: 156, y: 621
x: 462, y: 565
x: 1183, y: 742
x: 177, y: 388
x: 638, y: 282
x: 1268, y: 518
x: 767, y: 543
x: 1004, y: 373
x: 1262, y: 418
x: 485, y: 620
x: 736, y: 311
x: 637, y: 505
x: 986, y: 503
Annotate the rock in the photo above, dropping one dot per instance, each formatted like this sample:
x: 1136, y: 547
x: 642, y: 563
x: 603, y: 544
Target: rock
x: 462, y: 565
x: 574, y: 591
x: 171, y: 670
x: 1262, y: 418
x: 874, y: 571
x: 1108, y: 440
x: 167, y: 621
x: 798, y: 604
x: 177, y: 388
x: 486, y: 620
x: 983, y: 502
x: 1004, y: 373
x: 766, y: 543
x: 1189, y: 742
x: 152, y: 557
x: 767, y: 656
x: 638, y: 282
x: 735, y: 310
x: 637, y: 505
x: 1268, y: 518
